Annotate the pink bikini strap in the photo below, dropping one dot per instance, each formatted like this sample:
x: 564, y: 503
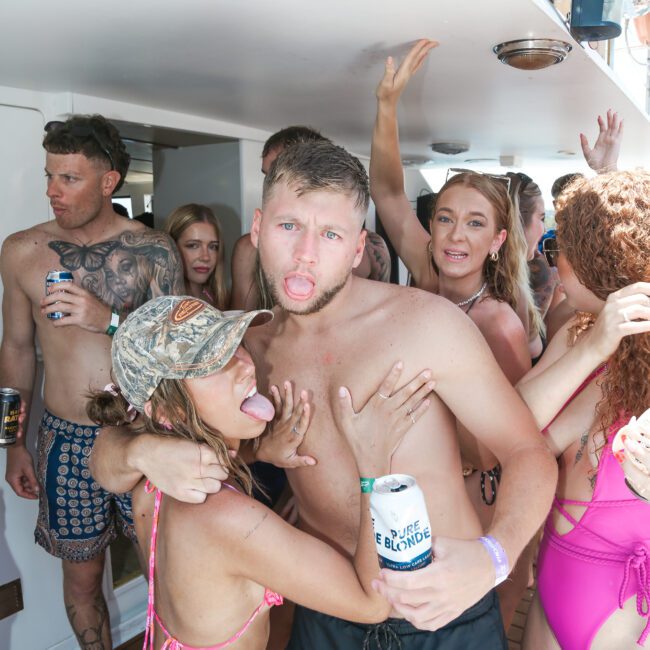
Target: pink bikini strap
x: 149, y: 629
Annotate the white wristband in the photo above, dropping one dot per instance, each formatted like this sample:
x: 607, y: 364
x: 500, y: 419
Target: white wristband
x: 498, y: 557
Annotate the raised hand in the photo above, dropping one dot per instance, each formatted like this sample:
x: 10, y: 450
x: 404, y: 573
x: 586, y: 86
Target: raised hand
x: 393, y: 83
x: 604, y: 155
x: 279, y: 445
x: 375, y: 431
x: 84, y: 308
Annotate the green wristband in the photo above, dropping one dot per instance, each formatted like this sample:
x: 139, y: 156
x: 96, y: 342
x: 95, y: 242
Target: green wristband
x: 115, y: 321
x: 366, y: 485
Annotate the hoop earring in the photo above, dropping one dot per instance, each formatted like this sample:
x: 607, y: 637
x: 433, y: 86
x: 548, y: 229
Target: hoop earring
x: 494, y: 256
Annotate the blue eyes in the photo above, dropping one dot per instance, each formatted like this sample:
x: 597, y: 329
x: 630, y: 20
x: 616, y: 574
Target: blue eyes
x: 328, y: 234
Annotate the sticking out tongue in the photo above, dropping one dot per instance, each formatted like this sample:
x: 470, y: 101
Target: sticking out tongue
x: 299, y: 286
x: 258, y: 407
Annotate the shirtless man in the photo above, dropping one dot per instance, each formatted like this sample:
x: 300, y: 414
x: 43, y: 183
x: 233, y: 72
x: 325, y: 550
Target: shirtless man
x: 332, y: 330
x: 246, y: 277
x: 117, y: 265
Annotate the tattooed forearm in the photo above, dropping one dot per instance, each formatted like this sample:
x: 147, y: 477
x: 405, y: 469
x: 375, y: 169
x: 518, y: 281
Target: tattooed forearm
x: 379, y: 257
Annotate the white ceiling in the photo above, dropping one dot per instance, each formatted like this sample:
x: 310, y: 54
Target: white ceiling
x: 267, y: 64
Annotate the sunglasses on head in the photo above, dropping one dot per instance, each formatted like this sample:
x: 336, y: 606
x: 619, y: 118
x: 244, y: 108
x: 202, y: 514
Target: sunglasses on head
x: 82, y: 131
x: 501, y: 178
x: 551, y: 250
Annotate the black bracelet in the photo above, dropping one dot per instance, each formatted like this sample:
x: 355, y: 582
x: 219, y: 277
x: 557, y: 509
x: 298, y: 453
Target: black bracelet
x: 494, y: 476
x: 633, y: 490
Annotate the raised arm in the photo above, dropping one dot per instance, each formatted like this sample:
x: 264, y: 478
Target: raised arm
x: 404, y: 230
x: 603, y: 157
x: 17, y: 362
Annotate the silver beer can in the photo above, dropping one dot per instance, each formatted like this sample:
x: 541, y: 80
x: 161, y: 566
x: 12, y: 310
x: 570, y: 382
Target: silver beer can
x: 401, y: 523
x: 52, y: 278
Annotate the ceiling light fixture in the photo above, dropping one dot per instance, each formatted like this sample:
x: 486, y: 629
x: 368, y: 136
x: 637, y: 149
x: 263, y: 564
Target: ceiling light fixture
x: 450, y: 148
x: 532, y: 53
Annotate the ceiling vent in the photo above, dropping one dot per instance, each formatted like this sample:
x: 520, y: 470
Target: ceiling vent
x: 532, y: 53
x: 450, y: 148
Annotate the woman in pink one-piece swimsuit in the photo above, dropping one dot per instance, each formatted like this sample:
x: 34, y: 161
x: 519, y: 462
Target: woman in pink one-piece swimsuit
x: 593, y: 569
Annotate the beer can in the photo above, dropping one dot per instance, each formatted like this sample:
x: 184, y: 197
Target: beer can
x: 54, y: 277
x: 401, y: 523
x: 9, y: 412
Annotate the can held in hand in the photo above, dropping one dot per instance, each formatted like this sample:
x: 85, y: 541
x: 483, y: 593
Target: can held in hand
x: 401, y: 523
x: 54, y: 277
x: 9, y: 412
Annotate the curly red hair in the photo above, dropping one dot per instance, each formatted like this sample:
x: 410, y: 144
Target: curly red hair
x: 603, y: 228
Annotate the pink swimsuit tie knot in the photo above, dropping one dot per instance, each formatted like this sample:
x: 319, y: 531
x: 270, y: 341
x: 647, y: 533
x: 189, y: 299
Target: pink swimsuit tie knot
x: 637, y: 562
x: 271, y: 598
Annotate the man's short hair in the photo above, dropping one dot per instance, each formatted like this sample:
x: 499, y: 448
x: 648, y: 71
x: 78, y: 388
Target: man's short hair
x: 562, y: 182
x: 92, y: 136
x: 292, y: 135
x: 317, y: 166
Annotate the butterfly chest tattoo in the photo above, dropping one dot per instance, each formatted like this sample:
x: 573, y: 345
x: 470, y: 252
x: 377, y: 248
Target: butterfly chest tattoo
x: 91, y: 258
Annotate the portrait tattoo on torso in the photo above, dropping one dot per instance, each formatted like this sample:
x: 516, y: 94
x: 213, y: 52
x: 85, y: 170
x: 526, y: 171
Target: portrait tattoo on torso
x: 126, y: 271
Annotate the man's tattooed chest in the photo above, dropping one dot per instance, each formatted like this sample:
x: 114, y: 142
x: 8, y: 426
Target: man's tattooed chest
x: 118, y: 271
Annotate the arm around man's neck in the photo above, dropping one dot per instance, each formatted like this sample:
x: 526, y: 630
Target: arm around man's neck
x: 185, y: 470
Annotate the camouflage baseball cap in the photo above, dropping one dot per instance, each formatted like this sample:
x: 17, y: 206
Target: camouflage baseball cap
x: 175, y: 337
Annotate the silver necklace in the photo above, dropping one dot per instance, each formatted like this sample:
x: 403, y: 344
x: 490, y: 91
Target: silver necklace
x: 477, y: 295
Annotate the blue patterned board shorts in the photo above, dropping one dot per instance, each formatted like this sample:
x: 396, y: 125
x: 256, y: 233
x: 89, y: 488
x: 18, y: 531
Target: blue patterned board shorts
x: 77, y: 519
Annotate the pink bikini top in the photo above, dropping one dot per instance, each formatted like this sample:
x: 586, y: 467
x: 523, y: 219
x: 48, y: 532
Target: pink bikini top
x: 270, y: 597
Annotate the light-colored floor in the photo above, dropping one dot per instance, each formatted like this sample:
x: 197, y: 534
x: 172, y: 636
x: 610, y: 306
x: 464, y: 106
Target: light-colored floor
x: 516, y: 631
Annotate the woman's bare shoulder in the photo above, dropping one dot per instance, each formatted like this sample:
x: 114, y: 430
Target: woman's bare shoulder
x: 230, y: 514
x: 497, y: 317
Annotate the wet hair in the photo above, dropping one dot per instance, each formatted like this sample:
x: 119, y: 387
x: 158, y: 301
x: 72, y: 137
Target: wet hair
x: 179, y: 221
x: 562, y: 182
x: 172, y: 401
x: 319, y: 166
x: 101, y: 135
x: 290, y: 136
x: 502, y: 276
x: 603, y: 229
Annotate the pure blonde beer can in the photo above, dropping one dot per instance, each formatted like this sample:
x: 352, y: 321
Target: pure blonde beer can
x: 401, y: 523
